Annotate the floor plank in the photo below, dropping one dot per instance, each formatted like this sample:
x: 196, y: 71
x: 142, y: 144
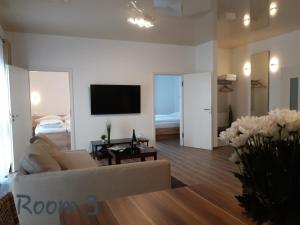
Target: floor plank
x: 193, y: 166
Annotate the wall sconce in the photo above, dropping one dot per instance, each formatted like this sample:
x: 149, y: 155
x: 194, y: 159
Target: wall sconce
x: 247, y: 69
x: 35, y: 98
x: 247, y: 20
x: 274, y: 64
x: 273, y: 9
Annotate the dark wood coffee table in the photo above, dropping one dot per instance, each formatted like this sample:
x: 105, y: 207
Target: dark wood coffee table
x: 142, y: 154
x: 100, y: 146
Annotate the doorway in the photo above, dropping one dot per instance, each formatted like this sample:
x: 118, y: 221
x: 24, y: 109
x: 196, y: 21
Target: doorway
x: 167, y: 107
x: 51, y: 106
x: 190, y: 122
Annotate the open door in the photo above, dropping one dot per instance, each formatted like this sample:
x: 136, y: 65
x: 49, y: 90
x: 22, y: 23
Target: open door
x: 197, y: 117
x: 20, y: 112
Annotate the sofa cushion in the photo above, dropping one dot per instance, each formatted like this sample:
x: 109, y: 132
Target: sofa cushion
x: 77, y: 159
x: 37, y: 160
x: 50, y: 146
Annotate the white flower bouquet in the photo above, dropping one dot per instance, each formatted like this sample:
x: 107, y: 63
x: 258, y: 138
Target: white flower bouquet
x: 251, y: 130
x: 267, y: 151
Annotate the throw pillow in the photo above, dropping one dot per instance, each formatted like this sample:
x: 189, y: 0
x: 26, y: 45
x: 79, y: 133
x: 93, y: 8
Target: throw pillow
x: 50, y: 146
x: 37, y: 160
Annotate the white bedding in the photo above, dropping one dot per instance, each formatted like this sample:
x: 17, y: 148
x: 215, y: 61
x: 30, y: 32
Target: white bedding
x: 47, y: 130
x: 52, y: 126
x: 169, y: 120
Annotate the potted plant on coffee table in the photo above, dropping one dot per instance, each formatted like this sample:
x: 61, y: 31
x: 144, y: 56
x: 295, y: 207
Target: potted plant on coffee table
x: 103, y: 138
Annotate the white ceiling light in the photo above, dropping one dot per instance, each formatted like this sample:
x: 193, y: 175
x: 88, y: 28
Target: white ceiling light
x: 273, y: 9
x: 141, y: 22
x: 140, y: 18
x: 247, y: 20
x: 247, y: 69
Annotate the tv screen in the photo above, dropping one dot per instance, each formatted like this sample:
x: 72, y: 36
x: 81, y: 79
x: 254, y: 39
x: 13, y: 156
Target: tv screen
x: 115, y: 99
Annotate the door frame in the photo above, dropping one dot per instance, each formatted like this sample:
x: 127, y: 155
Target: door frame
x: 180, y: 103
x: 71, y: 90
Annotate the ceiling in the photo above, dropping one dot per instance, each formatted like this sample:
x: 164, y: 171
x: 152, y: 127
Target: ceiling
x: 232, y: 33
x: 102, y: 19
x: 201, y: 20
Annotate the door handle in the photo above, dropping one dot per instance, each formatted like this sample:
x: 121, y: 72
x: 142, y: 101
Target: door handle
x: 206, y: 109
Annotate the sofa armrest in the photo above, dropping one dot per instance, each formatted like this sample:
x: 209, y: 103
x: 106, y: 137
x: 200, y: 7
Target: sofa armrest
x: 102, y: 182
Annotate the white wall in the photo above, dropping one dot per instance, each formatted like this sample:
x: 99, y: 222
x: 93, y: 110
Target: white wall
x: 54, y: 91
x: 167, y: 94
x: 96, y: 61
x: 205, y: 57
x: 286, y: 47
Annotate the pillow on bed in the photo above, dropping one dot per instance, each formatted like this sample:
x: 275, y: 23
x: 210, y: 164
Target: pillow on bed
x: 67, y: 117
x: 52, y: 123
x: 175, y: 114
x: 50, y: 117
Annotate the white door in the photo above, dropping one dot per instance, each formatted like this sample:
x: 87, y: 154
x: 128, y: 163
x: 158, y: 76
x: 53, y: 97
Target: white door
x: 20, y: 112
x: 197, y: 117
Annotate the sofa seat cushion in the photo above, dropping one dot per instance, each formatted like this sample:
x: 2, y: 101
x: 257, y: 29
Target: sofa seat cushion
x: 77, y: 159
x: 37, y: 160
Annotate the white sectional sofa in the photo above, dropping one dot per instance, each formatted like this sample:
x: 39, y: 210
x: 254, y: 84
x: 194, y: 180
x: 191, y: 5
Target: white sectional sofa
x: 39, y: 196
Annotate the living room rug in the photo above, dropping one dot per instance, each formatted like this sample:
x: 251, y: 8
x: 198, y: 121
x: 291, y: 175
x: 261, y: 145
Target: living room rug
x: 175, y: 183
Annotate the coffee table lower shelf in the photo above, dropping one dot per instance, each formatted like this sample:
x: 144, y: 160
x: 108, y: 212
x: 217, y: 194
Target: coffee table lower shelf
x: 147, y: 152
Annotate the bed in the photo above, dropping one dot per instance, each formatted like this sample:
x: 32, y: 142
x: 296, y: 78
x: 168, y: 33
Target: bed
x: 167, y: 126
x: 50, y: 129
x: 167, y: 120
x: 55, y: 127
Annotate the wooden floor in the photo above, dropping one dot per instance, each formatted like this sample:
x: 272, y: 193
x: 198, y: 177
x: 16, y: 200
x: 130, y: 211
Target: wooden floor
x: 193, y: 166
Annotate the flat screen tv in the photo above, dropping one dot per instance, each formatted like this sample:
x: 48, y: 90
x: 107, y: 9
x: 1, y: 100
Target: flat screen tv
x: 115, y: 99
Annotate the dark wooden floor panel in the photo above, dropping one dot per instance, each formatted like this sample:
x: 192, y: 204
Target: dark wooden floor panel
x: 193, y: 166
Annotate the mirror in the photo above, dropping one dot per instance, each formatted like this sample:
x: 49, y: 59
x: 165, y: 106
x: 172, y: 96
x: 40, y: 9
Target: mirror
x: 260, y: 84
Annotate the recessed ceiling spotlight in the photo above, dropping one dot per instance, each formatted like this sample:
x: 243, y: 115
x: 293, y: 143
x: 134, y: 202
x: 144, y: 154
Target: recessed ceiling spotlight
x: 247, y: 20
x: 273, y: 9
